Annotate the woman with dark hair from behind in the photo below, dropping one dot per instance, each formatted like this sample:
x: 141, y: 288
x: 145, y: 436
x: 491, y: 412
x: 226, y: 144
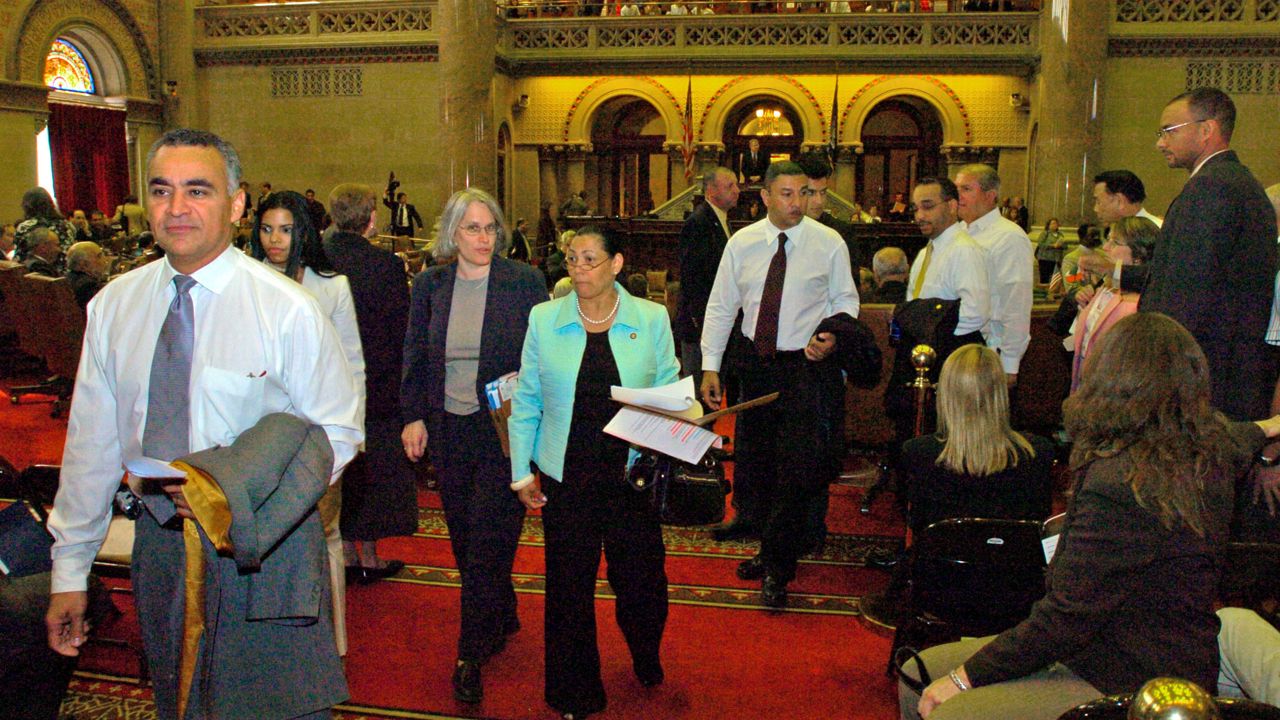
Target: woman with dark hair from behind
x: 466, y: 326
x: 976, y: 465
x: 1130, y: 590
x: 38, y: 210
x: 284, y: 238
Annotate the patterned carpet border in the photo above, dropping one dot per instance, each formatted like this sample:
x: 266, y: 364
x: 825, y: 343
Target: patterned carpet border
x: 679, y: 594
x: 840, y: 549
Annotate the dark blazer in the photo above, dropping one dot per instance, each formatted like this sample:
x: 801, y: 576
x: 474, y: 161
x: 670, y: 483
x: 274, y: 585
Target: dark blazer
x: 396, y: 227
x: 84, y: 286
x: 37, y: 264
x: 892, y: 292
x: 514, y: 288
x: 1127, y: 599
x: 1216, y: 260
x: 749, y: 168
x: 702, y: 242
x: 381, y: 295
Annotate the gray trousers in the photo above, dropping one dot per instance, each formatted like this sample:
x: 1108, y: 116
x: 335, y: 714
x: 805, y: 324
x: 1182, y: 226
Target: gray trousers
x: 1043, y: 695
x: 1249, y: 649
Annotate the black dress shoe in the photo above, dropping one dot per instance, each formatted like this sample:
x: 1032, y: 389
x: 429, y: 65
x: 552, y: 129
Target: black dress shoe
x: 736, y: 530
x: 773, y: 592
x: 466, y: 682
x: 369, y: 575
x: 752, y: 569
x: 649, y: 672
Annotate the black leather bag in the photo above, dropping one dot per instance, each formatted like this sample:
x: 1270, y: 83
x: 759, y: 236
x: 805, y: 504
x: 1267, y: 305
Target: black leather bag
x: 683, y: 494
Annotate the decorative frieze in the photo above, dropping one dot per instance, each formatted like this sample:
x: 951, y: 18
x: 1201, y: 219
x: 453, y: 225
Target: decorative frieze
x: 1238, y: 77
x: 1163, y: 11
x: 329, y: 55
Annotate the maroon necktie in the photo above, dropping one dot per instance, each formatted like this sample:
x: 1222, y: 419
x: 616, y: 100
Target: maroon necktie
x: 771, y: 302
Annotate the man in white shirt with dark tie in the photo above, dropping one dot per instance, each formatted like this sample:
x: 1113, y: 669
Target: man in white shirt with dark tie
x: 787, y: 273
x: 1010, y: 264
x: 253, y: 342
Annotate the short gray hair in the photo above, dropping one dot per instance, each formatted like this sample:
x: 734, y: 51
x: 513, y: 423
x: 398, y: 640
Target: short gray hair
x: 446, y: 248
x: 987, y: 177
x: 78, y: 254
x: 712, y: 175
x: 889, y: 261
x: 186, y: 137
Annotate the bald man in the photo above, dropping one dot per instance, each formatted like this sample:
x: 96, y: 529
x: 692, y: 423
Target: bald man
x: 891, y: 269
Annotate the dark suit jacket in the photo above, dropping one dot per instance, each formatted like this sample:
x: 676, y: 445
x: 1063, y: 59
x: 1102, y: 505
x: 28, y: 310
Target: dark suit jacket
x: 892, y: 292
x: 37, y: 264
x: 519, y: 247
x: 414, y: 218
x: 702, y: 242
x: 1127, y: 598
x: 381, y: 295
x: 1214, y: 271
x: 749, y: 168
x: 84, y: 286
x: 514, y: 288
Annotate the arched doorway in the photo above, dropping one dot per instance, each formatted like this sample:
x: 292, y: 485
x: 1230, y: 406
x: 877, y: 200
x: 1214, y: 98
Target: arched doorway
x: 902, y: 142
x: 82, y: 155
x: 631, y: 167
x: 768, y: 119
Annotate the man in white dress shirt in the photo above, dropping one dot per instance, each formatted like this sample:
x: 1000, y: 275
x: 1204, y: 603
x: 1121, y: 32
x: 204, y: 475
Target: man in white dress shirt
x: 1010, y: 264
x: 258, y: 344
x: 787, y: 274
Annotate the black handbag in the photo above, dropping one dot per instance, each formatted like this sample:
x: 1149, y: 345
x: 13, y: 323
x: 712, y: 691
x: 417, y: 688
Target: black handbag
x: 683, y: 494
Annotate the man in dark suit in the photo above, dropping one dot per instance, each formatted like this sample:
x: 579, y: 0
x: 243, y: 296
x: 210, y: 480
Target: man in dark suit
x: 753, y: 164
x: 520, y: 242
x: 43, y: 257
x: 403, y: 215
x: 818, y: 171
x: 891, y: 269
x: 86, y: 270
x: 1215, y: 266
x: 378, y: 498
x: 315, y: 210
x: 702, y: 241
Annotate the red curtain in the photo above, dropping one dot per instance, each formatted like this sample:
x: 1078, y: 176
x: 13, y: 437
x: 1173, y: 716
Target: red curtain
x: 90, y: 157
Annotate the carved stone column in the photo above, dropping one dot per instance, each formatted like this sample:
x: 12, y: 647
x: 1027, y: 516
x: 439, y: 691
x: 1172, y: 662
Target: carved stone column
x: 178, y: 63
x: 1073, y: 48
x: 468, y: 36
x: 844, y: 174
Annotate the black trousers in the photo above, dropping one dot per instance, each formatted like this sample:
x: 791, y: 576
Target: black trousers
x: 787, y: 452
x: 485, y: 519
x: 590, y: 508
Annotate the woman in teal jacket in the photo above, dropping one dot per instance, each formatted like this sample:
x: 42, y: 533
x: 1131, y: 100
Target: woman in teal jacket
x: 577, y: 347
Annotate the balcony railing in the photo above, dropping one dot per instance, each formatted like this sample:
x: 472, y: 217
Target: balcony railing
x: 538, y: 9
x: 293, y: 22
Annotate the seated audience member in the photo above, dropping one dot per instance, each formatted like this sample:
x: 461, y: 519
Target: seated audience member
x: 8, y: 247
x: 132, y: 218
x: 1132, y: 242
x: 554, y: 267
x: 891, y: 269
x: 900, y: 209
x: 976, y: 465
x: 563, y: 287
x: 638, y: 285
x: 1249, y: 656
x: 873, y: 215
x: 43, y: 256
x: 38, y: 211
x: 81, y: 225
x: 866, y: 282
x: 86, y: 270
x: 1131, y: 588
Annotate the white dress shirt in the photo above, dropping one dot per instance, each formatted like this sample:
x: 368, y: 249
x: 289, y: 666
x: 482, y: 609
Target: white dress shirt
x: 334, y: 295
x: 957, y: 271
x: 1011, y: 273
x: 818, y: 284
x: 1273, y: 328
x: 1142, y: 213
x: 262, y: 345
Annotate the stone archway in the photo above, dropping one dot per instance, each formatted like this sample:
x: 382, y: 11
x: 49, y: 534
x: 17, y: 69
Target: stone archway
x: 578, y: 123
x: 954, y: 117
x: 901, y: 142
x: 787, y: 90
x: 104, y: 27
x: 628, y: 158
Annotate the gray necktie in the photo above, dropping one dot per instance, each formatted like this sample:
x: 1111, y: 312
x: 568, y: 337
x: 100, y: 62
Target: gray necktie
x: 165, y: 436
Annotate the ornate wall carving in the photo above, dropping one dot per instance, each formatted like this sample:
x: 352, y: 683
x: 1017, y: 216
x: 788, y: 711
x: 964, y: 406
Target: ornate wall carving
x: 48, y: 18
x: 577, y: 122
x: 241, y: 22
x: 1147, y: 11
x: 343, y: 55
x: 783, y: 87
x: 1262, y: 47
x: 1238, y: 77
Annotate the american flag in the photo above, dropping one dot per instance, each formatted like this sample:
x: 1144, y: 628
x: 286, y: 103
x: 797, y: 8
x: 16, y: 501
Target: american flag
x: 686, y: 147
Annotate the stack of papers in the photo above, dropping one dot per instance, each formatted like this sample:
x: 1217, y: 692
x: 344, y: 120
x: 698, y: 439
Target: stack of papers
x: 661, y: 419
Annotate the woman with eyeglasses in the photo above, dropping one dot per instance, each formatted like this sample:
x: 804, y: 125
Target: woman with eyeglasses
x: 284, y: 238
x: 576, y: 348
x: 466, y: 323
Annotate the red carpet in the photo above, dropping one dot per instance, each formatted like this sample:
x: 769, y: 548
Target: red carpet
x: 724, y: 656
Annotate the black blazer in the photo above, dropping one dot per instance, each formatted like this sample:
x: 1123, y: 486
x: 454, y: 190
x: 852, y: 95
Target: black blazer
x: 514, y: 288
x: 702, y: 242
x: 1214, y: 271
x: 414, y: 217
x: 748, y: 168
x: 1127, y: 599
x: 381, y: 295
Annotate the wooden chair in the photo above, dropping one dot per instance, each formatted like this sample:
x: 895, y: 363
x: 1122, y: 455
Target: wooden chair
x: 657, y: 285
x: 56, y: 337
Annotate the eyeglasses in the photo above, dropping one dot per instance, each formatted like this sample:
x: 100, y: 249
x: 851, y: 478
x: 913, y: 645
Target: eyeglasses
x: 474, y: 230
x: 584, y: 262
x: 1168, y: 130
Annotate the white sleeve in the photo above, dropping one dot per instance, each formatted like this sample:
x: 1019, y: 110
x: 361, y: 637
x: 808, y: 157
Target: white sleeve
x: 969, y: 278
x: 321, y: 386
x: 1013, y: 281
x: 722, y: 310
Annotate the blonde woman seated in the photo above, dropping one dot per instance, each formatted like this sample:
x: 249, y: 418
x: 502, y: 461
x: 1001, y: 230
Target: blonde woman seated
x: 1132, y: 242
x: 976, y: 465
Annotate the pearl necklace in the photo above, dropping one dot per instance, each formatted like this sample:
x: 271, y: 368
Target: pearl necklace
x: 616, y: 300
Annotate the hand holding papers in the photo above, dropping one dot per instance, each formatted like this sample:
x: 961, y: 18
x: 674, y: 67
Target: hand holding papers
x: 669, y: 419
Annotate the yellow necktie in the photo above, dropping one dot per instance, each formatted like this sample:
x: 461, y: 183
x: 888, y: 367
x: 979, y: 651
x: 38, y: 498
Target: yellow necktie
x: 924, y: 268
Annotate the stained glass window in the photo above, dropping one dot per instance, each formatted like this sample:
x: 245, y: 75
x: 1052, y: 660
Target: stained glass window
x: 65, y: 69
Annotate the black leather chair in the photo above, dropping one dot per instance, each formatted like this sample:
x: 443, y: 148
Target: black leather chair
x: 970, y: 577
